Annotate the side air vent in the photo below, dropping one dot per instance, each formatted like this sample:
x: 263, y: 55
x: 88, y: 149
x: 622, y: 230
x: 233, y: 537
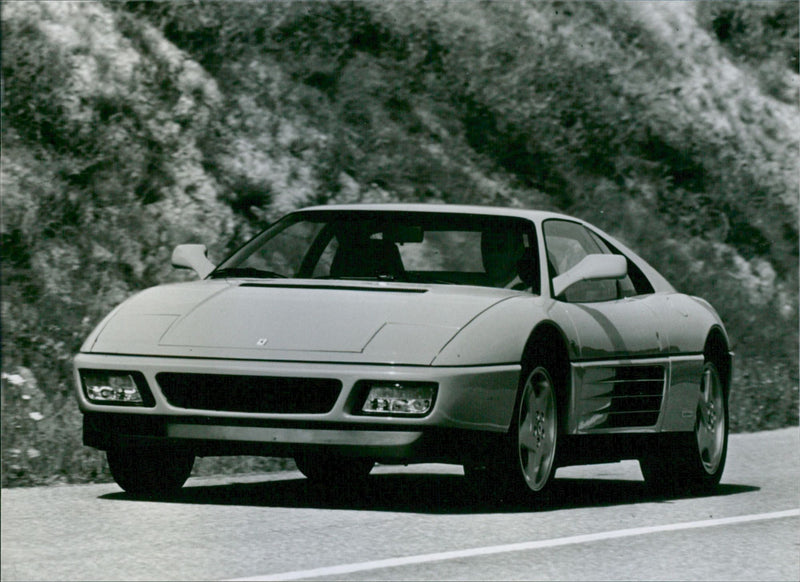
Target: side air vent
x: 620, y: 397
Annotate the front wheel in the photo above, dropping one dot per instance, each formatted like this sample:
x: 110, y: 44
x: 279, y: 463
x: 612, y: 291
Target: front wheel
x: 150, y: 471
x: 537, y: 431
x: 693, y: 461
x: 526, y: 466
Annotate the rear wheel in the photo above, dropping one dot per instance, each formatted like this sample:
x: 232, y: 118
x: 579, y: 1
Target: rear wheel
x: 150, y: 471
x: 693, y: 461
x: 325, y: 468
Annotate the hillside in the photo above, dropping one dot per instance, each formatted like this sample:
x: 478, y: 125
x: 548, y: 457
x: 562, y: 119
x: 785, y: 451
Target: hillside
x: 128, y: 128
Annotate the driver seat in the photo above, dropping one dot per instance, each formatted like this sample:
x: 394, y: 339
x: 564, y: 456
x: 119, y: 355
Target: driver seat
x: 367, y: 258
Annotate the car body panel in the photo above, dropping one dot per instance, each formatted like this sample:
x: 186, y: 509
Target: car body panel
x: 367, y: 323
x: 656, y: 394
x: 157, y: 303
x: 624, y: 328
x: 499, y: 335
x: 682, y: 317
x: 469, y: 397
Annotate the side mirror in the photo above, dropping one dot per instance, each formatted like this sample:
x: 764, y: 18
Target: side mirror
x: 193, y: 257
x: 591, y: 268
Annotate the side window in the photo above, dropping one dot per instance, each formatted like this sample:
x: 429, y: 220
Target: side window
x: 567, y: 244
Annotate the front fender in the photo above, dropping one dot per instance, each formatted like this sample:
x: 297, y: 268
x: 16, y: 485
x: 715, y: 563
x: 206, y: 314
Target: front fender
x: 499, y: 334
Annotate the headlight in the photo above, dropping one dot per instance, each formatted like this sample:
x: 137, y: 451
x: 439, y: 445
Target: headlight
x: 119, y: 388
x: 399, y: 398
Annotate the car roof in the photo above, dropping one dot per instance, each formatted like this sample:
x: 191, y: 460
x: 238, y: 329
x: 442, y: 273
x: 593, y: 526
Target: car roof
x: 534, y: 215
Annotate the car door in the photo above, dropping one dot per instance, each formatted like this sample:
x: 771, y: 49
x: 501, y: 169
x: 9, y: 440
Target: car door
x: 619, y: 376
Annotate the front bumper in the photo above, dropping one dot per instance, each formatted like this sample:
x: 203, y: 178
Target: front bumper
x: 473, y: 405
x: 206, y: 436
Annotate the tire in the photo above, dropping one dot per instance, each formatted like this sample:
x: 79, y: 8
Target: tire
x: 526, y: 466
x: 150, y: 471
x: 693, y: 462
x: 324, y: 468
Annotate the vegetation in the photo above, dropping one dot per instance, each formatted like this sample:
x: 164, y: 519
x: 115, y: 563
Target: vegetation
x: 128, y: 128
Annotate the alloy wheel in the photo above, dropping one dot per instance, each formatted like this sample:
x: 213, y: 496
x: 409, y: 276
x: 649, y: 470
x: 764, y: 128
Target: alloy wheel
x: 537, y: 432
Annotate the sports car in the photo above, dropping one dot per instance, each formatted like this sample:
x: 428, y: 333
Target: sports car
x: 509, y: 341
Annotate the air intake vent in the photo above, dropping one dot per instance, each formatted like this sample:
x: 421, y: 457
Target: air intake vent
x: 367, y: 288
x: 249, y: 393
x: 621, y: 397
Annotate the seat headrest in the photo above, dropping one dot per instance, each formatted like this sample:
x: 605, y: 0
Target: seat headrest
x: 528, y: 269
x: 367, y: 258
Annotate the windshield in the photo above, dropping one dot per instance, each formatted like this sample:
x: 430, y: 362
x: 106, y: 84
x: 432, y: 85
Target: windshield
x: 414, y: 247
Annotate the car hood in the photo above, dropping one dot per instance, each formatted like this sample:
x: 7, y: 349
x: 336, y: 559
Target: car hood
x: 364, y: 322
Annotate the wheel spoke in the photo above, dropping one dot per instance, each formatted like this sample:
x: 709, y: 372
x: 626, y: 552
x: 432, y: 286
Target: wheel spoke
x: 705, y: 441
x: 527, y: 439
x: 541, y: 395
x: 526, y: 426
x: 535, y: 464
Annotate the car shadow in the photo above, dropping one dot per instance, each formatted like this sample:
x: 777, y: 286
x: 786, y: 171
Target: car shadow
x: 421, y: 493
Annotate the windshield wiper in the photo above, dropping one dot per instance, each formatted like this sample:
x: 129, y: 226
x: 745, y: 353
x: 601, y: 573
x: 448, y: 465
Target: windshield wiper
x: 246, y: 272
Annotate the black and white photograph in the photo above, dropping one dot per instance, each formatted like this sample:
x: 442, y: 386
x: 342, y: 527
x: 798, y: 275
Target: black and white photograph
x: 400, y: 290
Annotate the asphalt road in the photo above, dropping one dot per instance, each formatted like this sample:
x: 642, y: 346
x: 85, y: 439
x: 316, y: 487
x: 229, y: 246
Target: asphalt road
x: 419, y: 522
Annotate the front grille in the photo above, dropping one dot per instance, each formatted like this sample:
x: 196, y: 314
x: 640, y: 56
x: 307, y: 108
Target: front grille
x: 622, y: 397
x: 249, y: 393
